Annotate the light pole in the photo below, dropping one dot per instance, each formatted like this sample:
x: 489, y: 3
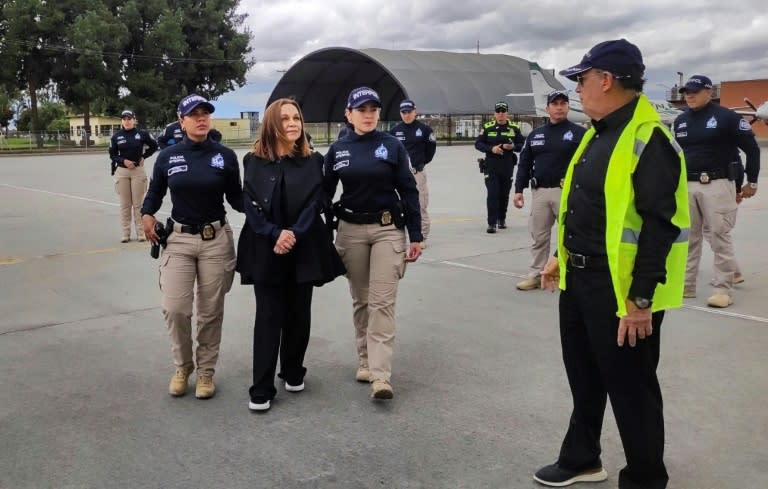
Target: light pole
x: 680, y: 74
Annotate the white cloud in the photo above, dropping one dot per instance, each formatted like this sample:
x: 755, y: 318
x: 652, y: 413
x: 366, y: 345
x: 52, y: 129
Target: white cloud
x: 724, y: 41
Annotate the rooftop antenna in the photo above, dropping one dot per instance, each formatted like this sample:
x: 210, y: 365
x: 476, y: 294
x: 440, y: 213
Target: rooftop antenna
x: 478, y: 46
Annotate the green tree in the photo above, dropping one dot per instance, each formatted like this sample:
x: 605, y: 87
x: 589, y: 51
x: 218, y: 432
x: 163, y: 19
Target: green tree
x: 90, y: 70
x: 179, y: 47
x: 46, y: 113
x: 6, y: 108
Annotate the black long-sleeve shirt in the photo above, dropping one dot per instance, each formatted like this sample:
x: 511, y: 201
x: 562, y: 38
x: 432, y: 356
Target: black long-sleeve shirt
x: 375, y: 174
x: 494, y: 134
x: 129, y: 144
x: 546, y: 153
x: 655, y: 180
x: 710, y: 137
x: 199, y: 176
x: 419, y: 140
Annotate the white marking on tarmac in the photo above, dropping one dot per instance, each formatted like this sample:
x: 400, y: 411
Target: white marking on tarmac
x: 707, y: 310
x: 58, y: 194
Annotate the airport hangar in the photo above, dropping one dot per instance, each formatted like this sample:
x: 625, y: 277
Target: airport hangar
x: 449, y: 86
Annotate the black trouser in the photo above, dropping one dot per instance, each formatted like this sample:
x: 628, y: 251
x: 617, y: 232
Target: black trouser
x: 498, y: 185
x: 283, y: 309
x: 597, y: 367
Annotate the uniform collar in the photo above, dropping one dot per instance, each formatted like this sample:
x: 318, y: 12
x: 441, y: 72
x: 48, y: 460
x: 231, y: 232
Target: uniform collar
x: 617, y: 118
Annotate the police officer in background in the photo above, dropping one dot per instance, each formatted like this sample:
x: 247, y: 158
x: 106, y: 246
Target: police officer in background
x: 174, y: 134
x: 200, y: 173
x: 620, y: 264
x: 543, y: 162
x: 499, y: 141
x: 419, y: 139
x: 710, y: 136
x: 375, y: 175
x: 128, y: 148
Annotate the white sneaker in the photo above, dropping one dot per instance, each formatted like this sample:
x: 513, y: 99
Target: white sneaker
x: 294, y: 388
x: 254, y: 406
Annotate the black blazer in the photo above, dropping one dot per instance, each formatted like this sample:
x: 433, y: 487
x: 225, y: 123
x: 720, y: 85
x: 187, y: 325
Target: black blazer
x: 314, y: 258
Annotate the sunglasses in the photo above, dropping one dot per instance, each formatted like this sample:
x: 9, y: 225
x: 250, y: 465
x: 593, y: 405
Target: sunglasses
x: 501, y: 110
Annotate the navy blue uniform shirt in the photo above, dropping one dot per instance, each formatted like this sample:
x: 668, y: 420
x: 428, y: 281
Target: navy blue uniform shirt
x: 374, y: 170
x: 171, y: 135
x: 655, y: 181
x: 546, y: 153
x: 129, y: 145
x: 419, y: 140
x: 494, y: 134
x: 709, y: 138
x: 199, y: 176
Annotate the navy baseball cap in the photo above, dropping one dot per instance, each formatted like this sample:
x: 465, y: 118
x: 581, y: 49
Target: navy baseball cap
x: 361, y: 95
x: 696, y: 83
x: 622, y: 58
x: 556, y: 94
x: 501, y: 106
x: 407, y: 105
x: 191, y: 102
x: 128, y: 113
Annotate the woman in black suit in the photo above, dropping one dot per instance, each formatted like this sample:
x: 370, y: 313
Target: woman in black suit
x: 284, y: 249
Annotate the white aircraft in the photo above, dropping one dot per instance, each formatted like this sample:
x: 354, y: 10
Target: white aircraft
x: 541, y: 88
x: 756, y: 113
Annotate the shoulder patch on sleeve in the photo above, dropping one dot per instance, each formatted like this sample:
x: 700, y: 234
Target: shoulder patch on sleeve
x: 744, y: 125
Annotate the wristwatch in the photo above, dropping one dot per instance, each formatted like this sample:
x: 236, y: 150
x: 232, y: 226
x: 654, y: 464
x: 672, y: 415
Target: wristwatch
x: 641, y: 302
x: 753, y: 185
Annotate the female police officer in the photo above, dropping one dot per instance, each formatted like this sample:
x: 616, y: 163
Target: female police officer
x: 373, y: 168
x: 199, y: 172
x: 284, y: 249
x: 127, y: 154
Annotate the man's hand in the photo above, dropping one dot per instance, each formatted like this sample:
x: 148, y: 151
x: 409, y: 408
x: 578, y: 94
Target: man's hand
x: 518, y: 200
x: 285, y: 242
x: 414, y: 252
x: 747, y: 191
x: 550, y: 276
x: 497, y: 150
x: 508, y: 146
x: 636, y: 324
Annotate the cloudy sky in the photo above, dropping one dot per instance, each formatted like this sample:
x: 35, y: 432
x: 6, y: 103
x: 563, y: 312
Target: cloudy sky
x: 725, y: 40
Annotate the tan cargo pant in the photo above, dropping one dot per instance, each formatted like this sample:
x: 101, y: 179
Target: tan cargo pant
x: 131, y: 185
x: 712, y: 206
x: 186, y: 260
x: 421, y: 186
x: 545, y: 204
x: 375, y: 259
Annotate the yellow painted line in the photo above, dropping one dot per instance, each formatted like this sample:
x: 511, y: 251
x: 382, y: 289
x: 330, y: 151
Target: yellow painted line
x: 14, y: 260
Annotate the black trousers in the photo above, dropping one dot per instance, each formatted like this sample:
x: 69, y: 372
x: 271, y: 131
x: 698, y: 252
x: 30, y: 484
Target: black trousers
x: 283, y: 316
x: 498, y: 187
x: 598, y: 368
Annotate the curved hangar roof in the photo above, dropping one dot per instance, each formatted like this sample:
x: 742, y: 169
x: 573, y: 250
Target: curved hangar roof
x: 438, y: 81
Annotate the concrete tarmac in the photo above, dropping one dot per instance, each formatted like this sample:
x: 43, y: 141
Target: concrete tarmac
x: 481, y: 397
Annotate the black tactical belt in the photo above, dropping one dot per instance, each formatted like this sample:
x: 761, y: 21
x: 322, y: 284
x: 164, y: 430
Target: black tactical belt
x: 201, y: 229
x: 382, y: 217
x: 583, y: 262
x: 705, y: 176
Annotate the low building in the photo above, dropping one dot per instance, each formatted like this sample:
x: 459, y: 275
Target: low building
x: 102, y: 128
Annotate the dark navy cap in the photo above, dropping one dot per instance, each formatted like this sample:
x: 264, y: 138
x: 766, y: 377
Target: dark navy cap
x: 407, y: 105
x: 501, y: 106
x: 556, y: 94
x: 622, y: 58
x: 128, y: 113
x: 361, y: 95
x: 191, y: 102
x: 696, y: 83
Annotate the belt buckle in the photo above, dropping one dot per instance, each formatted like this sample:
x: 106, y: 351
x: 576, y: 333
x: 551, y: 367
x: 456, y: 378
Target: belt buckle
x: 704, y: 177
x: 207, y: 232
x: 577, y: 261
x: 386, y: 218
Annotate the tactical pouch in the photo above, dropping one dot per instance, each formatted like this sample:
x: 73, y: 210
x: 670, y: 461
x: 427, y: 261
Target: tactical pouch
x: 481, y: 164
x: 398, y: 215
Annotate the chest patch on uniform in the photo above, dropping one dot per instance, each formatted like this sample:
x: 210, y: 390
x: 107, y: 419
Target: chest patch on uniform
x: 381, y: 152
x: 681, y: 134
x: 176, y: 159
x: 419, y: 133
x: 537, y: 142
x: 712, y: 123
x: 744, y: 125
x: 432, y: 137
x: 342, y: 154
x: 340, y: 164
x: 217, y: 161
x: 137, y: 136
x: 568, y: 136
x: 683, y: 125
x: 177, y: 169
